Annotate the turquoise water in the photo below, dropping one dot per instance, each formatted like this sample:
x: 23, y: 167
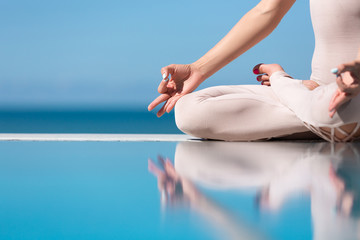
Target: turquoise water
x: 209, y: 190
x: 85, y: 121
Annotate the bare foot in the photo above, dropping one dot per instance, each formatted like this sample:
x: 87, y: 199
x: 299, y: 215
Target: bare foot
x: 266, y: 70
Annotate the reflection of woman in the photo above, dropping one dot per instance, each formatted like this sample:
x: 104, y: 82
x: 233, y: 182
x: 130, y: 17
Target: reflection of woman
x: 330, y: 174
x: 255, y: 112
x: 175, y: 188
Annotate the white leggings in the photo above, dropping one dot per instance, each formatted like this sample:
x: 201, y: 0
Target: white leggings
x: 237, y: 113
x: 311, y: 106
x: 253, y: 112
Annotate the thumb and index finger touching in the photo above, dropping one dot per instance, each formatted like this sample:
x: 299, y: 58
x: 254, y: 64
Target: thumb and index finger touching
x: 353, y: 70
x: 351, y: 67
x: 341, y: 95
x: 166, y: 72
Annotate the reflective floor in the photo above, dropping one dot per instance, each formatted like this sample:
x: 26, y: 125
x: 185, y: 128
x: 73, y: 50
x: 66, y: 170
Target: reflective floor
x: 186, y: 190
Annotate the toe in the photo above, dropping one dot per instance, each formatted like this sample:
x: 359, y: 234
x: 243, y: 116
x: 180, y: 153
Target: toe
x: 256, y: 69
x: 266, y: 83
x: 261, y: 78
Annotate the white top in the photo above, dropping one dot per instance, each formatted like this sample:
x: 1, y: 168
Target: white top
x: 336, y: 26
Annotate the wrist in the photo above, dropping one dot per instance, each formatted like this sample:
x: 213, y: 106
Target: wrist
x: 206, y: 67
x: 199, y: 69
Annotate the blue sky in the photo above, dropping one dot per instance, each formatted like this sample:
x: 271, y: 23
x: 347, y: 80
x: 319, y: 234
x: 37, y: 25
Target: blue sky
x: 108, y: 53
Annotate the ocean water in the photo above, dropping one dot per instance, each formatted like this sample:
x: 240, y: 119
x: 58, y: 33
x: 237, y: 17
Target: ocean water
x: 86, y: 121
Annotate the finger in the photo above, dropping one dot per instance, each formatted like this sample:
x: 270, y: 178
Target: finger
x: 261, y: 78
x: 334, y: 100
x: 170, y: 169
x: 355, y: 75
x: 163, y: 86
x: 161, y: 183
x: 332, y: 109
x: 347, y: 67
x: 170, y: 188
x: 340, y: 82
x: 161, y: 161
x: 167, y: 104
x: 153, y: 168
x: 171, y: 106
x: 166, y: 76
x: 157, y: 101
x: 161, y: 111
x: 166, y: 71
x: 337, y: 102
x: 172, y: 103
x: 332, y: 113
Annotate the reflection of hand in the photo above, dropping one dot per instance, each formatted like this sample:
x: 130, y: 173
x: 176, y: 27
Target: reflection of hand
x: 183, y: 80
x: 171, y: 185
x: 344, y: 198
x: 348, y: 81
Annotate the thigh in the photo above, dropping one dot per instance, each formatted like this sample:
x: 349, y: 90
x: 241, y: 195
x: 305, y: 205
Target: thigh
x: 236, y: 113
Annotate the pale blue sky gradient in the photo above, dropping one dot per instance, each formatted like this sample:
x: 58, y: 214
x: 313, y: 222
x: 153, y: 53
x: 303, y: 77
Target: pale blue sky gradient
x: 109, y: 53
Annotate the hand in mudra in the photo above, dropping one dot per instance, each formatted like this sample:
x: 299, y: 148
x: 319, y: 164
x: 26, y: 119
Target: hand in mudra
x: 348, y: 81
x: 184, y: 78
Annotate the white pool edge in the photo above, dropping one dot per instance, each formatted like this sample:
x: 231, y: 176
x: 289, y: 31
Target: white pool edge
x: 97, y: 137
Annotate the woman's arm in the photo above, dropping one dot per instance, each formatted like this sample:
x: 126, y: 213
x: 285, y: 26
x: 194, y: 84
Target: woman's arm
x: 251, y: 29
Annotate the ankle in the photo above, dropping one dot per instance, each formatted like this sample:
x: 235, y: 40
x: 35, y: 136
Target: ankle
x: 311, y: 85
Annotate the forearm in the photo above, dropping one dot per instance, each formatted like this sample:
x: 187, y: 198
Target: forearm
x: 251, y: 29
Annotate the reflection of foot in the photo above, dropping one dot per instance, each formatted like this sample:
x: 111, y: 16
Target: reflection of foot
x: 269, y: 69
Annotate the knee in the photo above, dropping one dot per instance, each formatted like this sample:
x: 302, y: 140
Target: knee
x: 190, y: 116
